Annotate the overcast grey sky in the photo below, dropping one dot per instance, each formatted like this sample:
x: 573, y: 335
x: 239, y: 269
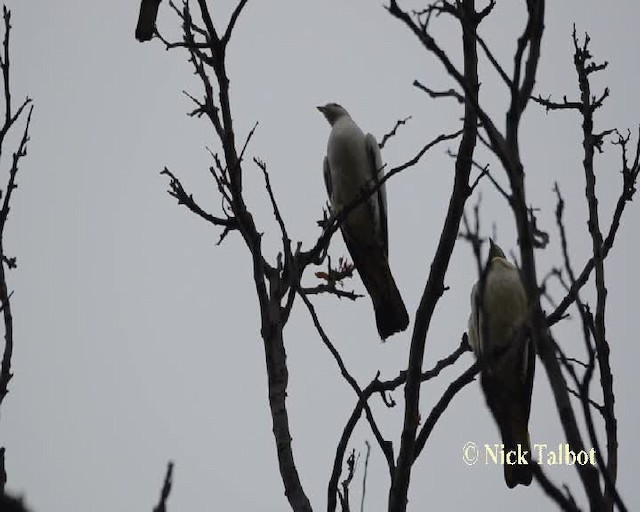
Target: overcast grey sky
x: 137, y: 339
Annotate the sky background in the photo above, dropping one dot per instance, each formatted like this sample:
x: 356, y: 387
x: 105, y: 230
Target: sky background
x: 137, y: 338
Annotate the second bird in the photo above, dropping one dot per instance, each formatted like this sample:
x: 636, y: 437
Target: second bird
x: 495, y: 334
x: 353, y: 161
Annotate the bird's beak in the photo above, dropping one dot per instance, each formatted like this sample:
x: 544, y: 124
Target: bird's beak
x: 321, y: 109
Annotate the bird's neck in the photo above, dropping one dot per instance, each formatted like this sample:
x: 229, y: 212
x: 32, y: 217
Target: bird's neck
x: 341, y: 119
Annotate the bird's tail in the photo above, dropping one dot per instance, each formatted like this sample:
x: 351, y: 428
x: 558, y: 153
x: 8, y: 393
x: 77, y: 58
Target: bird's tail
x: 391, y: 313
x: 147, y: 19
x: 516, y: 440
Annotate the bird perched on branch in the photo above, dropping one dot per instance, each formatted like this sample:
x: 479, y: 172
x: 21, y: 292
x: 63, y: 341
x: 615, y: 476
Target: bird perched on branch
x: 353, y: 162
x: 147, y: 19
x: 498, y: 336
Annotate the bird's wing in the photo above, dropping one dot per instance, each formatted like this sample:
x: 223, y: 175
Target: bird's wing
x: 528, y: 370
x: 380, y: 197
x: 326, y: 171
x: 473, y: 330
x: 529, y: 373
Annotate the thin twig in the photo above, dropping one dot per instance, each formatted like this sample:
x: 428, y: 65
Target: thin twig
x: 166, y: 489
x: 364, y: 476
x: 393, y: 131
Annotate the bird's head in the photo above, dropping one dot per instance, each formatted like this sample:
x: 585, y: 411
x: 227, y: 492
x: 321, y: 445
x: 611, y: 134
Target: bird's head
x: 495, y: 251
x: 333, y: 112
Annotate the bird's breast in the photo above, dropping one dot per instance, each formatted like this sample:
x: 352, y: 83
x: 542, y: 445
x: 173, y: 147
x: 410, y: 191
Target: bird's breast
x: 350, y: 172
x: 348, y: 161
x: 505, y: 299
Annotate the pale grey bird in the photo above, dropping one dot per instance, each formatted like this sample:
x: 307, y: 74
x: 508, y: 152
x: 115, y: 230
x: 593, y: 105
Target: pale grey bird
x: 507, y: 358
x: 353, y: 161
x: 147, y: 19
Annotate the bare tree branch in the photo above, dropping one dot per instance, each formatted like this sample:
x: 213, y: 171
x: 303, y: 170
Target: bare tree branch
x: 451, y: 93
x: 271, y: 285
x: 278, y: 284
x: 364, y: 476
x: 392, y: 133
x: 381, y: 387
x: 232, y: 22
x: 459, y: 383
x: 21, y: 151
x: 344, y: 495
x: 565, y: 503
x: 593, y: 142
x: 166, y: 489
x: 385, y: 446
x: 435, y: 283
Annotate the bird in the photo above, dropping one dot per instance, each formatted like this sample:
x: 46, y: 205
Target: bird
x: 353, y: 161
x: 147, y: 19
x: 497, y: 335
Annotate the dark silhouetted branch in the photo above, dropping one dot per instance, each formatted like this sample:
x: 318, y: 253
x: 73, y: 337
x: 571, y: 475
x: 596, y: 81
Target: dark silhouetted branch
x: 464, y: 379
x: 377, y: 386
x: 166, y: 489
x: 21, y: 151
x: 271, y: 284
x: 451, y: 93
x: 393, y: 132
x: 364, y: 476
x: 566, y: 503
x: 344, y: 495
x: 434, y: 287
x: 385, y: 446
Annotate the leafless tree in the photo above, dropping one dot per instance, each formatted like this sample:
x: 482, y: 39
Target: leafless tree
x: 10, y: 123
x: 278, y: 283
